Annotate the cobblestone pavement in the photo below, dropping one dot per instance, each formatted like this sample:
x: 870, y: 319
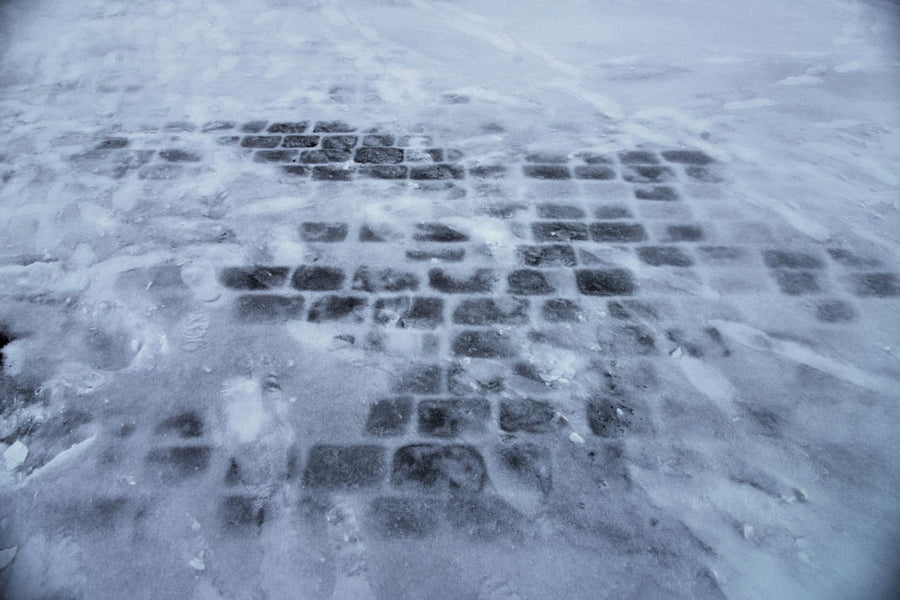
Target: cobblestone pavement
x: 325, y: 354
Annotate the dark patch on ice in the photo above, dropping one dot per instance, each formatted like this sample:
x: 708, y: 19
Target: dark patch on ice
x: 240, y: 512
x: 529, y: 463
x: 332, y: 466
x: 391, y: 518
x: 453, y: 417
x: 389, y: 417
x: 420, y: 379
x: 438, y: 468
x: 185, y: 425
x: 484, y: 517
x: 530, y: 416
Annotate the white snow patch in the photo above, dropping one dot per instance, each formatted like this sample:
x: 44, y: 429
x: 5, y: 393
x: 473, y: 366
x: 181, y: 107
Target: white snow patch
x: 706, y: 378
x: 243, y: 406
x: 15, y: 455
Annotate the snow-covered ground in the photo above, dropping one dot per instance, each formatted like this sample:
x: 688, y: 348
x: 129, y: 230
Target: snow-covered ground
x: 716, y: 419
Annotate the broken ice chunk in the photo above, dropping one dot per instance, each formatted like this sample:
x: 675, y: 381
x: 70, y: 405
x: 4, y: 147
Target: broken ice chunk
x: 15, y: 455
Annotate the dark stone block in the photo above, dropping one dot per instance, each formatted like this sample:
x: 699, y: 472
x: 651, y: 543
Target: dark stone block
x: 479, y: 282
x: 297, y: 170
x: 432, y: 172
x: 266, y: 307
x: 333, y: 127
x: 562, y: 310
x: 438, y: 232
x: 551, y: 255
x: 299, y: 127
x: 631, y: 311
x: 332, y: 466
x: 604, y: 282
x: 435, y: 468
x: 684, y: 233
x: 555, y: 172
x: 253, y: 278
x: 488, y: 171
x: 559, y: 231
x: 659, y: 256
x: 528, y: 282
x: 528, y: 463
x: 796, y: 283
x: 851, y: 260
x: 687, y: 157
x: 378, y: 141
x: 420, y: 379
x: 337, y: 308
x: 618, y: 232
x: 722, y: 253
x: 253, y: 126
x: 393, y: 518
x: 596, y: 172
x: 703, y: 174
x: 389, y: 417
x: 176, y: 155
x: 384, y: 171
x: 300, y: 141
x: 638, y: 157
x: 547, y: 158
x: 835, y: 311
x: 260, y: 141
x: 436, y: 154
x: 339, y: 142
x: 332, y: 174
x: 384, y: 280
x: 443, y: 254
x: 184, y: 425
x: 531, y: 416
x: 880, y: 285
x: 662, y: 193
x: 787, y: 259
x: 454, y: 417
x: 484, y: 518
x: 379, y: 155
x: 559, y: 211
x: 180, y: 462
x: 323, y: 232
x: 403, y: 312
x: 217, y: 126
x: 275, y: 155
x: 482, y: 344
x: 592, y: 158
x: 607, y: 418
x: 317, y: 278
x: 228, y: 140
x: 240, y: 512
x: 324, y: 156
x: 645, y: 174
x: 491, y: 311
x: 112, y: 143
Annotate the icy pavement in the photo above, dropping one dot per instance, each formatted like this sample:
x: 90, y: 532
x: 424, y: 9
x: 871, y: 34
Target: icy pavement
x: 412, y: 299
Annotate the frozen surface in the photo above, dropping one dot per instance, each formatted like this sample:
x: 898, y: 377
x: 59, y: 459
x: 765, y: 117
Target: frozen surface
x: 418, y: 299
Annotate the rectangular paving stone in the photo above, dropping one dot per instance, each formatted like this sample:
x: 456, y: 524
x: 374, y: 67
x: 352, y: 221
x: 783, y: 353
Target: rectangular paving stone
x: 454, y: 417
x: 550, y: 255
x: 835, y: 311
x: 378, y: 140
x: 595, y: 172
x: 612, y: 211
x: 338, y: 308
x: 296, y: 170
x: 530, y: 416
x: 559, y: 231
x: 684, y: 233
x: 796, y: 282
x: 662, y: 193
x: 851, y: 260
x: 547, y: 158
x: 253, y: 126
x: 175, y: 464
x: 722, y: 254
x: 396, y: 518
x: 178, y: 155
x: 879, y: 285
x: 253, y: 278
x: 594, y: 158
x: 317, y: 278
x: 604, y: 282
x: 618, y: 232
x: 638, y: 157
x: 505, y: 310
x: 789, y: 259
x: 417, y: 313
x: 562, y: 310
x: 482, y: 344
x: 688, y: 157
x: 275, y: 155
x: 438, y: 468
x: 343, y: 467
x: 384, y: 171
x: 300, y: 141
x: 378, y: 155
x: 333, y: 127
x: 481, y: 281
x: 528, y: 282
x: 260, y: 141
x: 217, y: 126
x: 384, y: 280
x: 389, y: 417
x: 608, y: 418
x: 228, y: 140
x: 488, y: 171
x: 559, y: 211
x: 297, y: 127
x: 647, y: 174
x: 332, y: 174
x: 420, y: 378
x: 239, y: 511
x: 438, y: 232
x: 441, y: 254
x: 311, y: 231
x: 553, y: 172
x: 267, y: 307
x: 324, y: 156
x: 434, y: 172
x: 703, y: 174
x: 339, y: 142
x: 670, y: 256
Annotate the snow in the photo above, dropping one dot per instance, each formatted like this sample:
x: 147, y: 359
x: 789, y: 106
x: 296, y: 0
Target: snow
x: 762, y: 466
